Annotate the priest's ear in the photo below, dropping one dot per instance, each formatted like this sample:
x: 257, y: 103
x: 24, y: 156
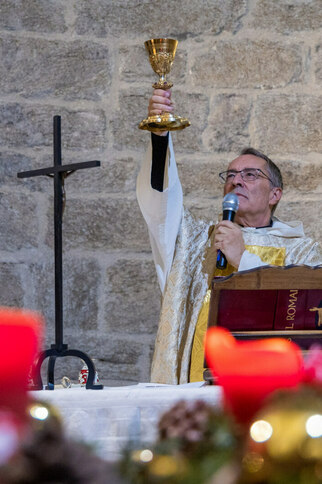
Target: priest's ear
x: 275, y: 196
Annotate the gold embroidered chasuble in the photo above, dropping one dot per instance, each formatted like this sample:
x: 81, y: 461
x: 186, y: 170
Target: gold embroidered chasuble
x: 271, y: 256
x: 190, y: 277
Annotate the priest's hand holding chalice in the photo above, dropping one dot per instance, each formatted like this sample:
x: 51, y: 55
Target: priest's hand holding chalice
x: 161, y: 118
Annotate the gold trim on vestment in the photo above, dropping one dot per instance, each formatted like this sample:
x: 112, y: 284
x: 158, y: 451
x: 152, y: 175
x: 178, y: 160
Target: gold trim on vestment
x: 271, y: 255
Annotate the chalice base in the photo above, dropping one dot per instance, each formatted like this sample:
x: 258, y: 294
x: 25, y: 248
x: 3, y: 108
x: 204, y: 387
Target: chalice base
x: 164, y: 122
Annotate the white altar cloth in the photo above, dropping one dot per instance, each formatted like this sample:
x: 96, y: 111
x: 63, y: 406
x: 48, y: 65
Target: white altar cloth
x: 111, y: 418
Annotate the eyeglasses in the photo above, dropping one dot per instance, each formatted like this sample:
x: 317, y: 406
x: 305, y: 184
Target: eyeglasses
x: 247, y: 174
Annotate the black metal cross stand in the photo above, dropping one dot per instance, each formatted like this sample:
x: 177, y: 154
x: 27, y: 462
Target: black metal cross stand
x: 59, y: 172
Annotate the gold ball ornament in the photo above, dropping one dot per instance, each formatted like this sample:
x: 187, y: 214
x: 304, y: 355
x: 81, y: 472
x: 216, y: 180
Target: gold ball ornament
x: 150, y: 466
x: 284, y: 441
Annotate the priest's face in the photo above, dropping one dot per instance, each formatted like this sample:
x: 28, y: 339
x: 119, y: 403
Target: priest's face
x: 256, y: 197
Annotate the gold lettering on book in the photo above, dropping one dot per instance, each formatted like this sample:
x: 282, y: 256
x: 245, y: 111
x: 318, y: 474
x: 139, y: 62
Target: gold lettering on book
x: 319, y: 310
x: 291, y: 309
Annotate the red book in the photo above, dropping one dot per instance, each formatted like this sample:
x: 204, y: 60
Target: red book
x: 247, y: 310
x: 298, y: 310
x: 290, y: 309
x: 282, y: 310
x: 313, y: 314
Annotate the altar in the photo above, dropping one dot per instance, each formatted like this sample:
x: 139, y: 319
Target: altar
x: 111, y: 418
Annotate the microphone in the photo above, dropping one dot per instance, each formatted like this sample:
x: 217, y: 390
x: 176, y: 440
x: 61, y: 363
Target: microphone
x: 229, y: 206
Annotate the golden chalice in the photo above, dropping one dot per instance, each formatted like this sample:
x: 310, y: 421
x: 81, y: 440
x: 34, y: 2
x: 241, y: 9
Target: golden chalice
x: 161, y: 56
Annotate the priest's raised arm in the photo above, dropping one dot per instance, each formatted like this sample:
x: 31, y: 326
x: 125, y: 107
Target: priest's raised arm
x: 159, y: 194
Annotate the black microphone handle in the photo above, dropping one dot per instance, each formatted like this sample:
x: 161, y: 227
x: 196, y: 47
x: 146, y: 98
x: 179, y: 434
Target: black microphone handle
x: 221, y: 259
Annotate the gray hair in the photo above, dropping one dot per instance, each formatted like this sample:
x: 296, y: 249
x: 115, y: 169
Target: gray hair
x: 273, y: 170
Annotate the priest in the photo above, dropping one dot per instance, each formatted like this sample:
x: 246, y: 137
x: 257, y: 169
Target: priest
x: 185, y: 248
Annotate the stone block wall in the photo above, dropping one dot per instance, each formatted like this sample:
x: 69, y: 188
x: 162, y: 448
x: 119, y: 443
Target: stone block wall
x: 247, y: 72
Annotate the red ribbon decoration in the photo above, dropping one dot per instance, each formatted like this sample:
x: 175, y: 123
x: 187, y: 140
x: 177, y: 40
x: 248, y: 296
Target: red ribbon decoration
x: 249, y: 371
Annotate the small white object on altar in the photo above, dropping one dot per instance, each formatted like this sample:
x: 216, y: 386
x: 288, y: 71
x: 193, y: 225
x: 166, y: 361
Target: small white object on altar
x: 111, y: 418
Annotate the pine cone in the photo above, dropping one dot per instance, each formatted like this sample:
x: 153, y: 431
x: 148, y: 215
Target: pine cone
x: 186, y: 421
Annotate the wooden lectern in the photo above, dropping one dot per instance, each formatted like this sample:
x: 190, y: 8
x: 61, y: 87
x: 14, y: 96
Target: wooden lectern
x: 270, y: 302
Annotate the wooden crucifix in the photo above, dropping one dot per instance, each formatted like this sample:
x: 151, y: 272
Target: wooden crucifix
x: 59, y: 172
